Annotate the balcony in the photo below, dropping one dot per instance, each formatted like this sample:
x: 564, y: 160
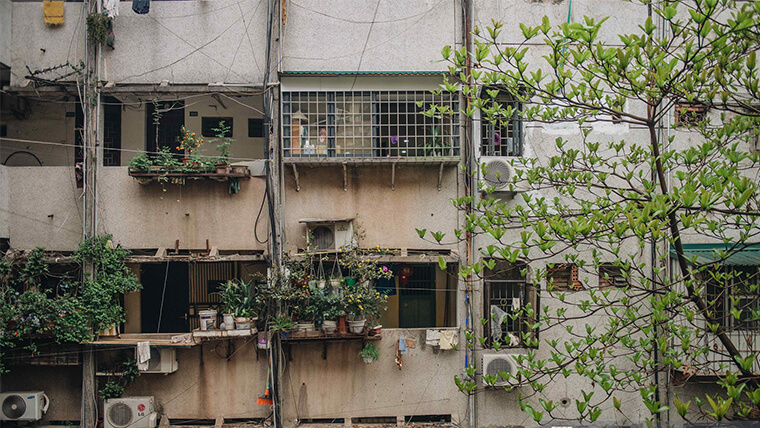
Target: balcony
x: 369, y: 127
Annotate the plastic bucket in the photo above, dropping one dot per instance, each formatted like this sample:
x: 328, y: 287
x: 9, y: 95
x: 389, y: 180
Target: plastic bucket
x: 208, y: 319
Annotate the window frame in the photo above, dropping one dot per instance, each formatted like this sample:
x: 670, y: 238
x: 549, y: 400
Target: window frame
x: 527, y: 293
x: 211, y: 133
x: 488, y: 129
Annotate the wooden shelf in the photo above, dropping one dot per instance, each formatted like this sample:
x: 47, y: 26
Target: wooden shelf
x: 179, y: 177
x: 324, y: 339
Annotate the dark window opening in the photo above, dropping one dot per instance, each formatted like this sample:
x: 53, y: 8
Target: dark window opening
x: 255, y: 128
x: 211, y: 126
x: 612, y: 276
x: 563, y: 277
x: 690, y: 114
x: 164, y: 122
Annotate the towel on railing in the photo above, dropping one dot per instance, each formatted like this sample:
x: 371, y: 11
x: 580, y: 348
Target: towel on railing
x: 142, y: 355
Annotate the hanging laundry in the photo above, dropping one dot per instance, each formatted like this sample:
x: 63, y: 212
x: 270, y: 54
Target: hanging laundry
x: 142, y: 355
x: 433, y: 337
x: 53, y: 12
x: 111, y: 8
x: 448, y: 338
x: 399, y: 355
x: 497, y: 319
x: 141, y: 7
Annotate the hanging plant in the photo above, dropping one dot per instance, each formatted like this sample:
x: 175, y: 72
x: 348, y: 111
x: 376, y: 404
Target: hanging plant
x: 97, y: 27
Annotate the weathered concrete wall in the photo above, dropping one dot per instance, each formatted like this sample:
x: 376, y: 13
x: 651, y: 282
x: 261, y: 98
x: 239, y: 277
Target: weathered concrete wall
x: 209, y: 384
x: 369, y: 36
x: 45, y: 208
x: 388, y: 217
x: 342, y: 386
x: 155, y: 215
x: 62, y: 384
x: 6, y: 21
x: 47, y: 122
x: 189, y: 42
x: 134, y: 124
x: 39, y: 45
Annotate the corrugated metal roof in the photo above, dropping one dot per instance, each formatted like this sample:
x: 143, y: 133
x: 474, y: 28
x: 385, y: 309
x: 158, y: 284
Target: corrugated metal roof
x: 361, y: 73
x: 708, y: 253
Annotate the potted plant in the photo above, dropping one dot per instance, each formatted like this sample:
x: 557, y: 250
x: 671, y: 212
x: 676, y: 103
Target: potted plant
x: 223, y: 139
x: 331, y: 314
x: 363, y: 302
x: 284, y: 325
x: 189, y: 144
x: 244, y: 312
x: 369, y: 354
x: 231, y: 297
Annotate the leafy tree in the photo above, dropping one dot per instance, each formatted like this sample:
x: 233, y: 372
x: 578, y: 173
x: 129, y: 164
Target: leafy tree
x: 627, y: 206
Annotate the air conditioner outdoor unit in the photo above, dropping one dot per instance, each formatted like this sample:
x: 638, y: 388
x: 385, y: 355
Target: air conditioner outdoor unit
x: 493, y: 364
x: 329, y: 234
x: 500, y: 174
x: 162, y: 360
x: 23, y: 406
x: 132, y: 412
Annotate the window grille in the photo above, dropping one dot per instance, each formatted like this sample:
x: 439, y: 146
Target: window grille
x: 507, y: 289
x: 741, y: 291
x: 504, y: 136
x: 368, y: 124
x: 690, y: 114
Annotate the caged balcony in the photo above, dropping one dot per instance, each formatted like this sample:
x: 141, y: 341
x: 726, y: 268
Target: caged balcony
x: 338, y: 127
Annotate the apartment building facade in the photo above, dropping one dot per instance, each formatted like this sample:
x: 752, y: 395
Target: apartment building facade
x: 322, y: 101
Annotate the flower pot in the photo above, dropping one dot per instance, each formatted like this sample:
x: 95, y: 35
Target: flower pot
x: 222, y: 168
x: 342, y: 327
x: 329, y: 326
x: 350, y: 282
x: 335, y: 283
x: 284, y: 335
x: 374, y: 331
x: 229, y: 321
x: 305, y: 326
x: 322, y: 284
x: 368, y: 360
x: 357, y: 327
x: 208, y: 319
x: 243, y: 323
x: 313, y: 284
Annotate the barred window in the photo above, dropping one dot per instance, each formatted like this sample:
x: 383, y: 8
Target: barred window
x: 739, y: 290
x: 508, y: 291
x: 368, y: 124
x: 690, y: 114
x: 502, y: 136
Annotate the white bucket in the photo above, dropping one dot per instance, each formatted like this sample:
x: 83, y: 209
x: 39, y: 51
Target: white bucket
x: 229, y: 322
x: 208, y: 319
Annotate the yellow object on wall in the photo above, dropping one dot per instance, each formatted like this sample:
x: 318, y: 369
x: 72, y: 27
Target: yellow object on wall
x: 53, y: 11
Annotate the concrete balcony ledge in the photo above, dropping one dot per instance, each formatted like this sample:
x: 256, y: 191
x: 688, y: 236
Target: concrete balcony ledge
x: 180, y: 176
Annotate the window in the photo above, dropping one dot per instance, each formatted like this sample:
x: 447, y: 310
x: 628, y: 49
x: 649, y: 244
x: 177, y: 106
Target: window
x: 255, y: 128
x: 503, y: 135
x: 507, y: 291
x: 563, y: 277
x: 735, y: 289
x: 211, y: 125
x: 690, y: 114
x: 368, y: 124
x: 612, y: 276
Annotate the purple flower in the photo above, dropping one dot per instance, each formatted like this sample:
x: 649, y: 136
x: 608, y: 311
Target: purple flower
x: 496, y: 139
x: 394, y: 139
x: 385, y: 268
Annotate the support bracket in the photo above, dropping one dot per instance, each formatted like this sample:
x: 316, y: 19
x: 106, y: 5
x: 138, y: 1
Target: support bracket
x: 440, y: 176
x: 298, y: 180
x: 393, y: 176
x: 345, y: 178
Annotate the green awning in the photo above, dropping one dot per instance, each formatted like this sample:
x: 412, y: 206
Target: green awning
x: 742, y: 255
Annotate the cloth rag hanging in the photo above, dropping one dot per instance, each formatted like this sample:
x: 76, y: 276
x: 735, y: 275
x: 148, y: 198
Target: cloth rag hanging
x: 111, y: 8
x: 448, y: 338
x: 142, y: 355
x: 141, y: 7
x: 53, y: 12
x: 433, y: 337
x: 497, y: 319
x: 402, y: 345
